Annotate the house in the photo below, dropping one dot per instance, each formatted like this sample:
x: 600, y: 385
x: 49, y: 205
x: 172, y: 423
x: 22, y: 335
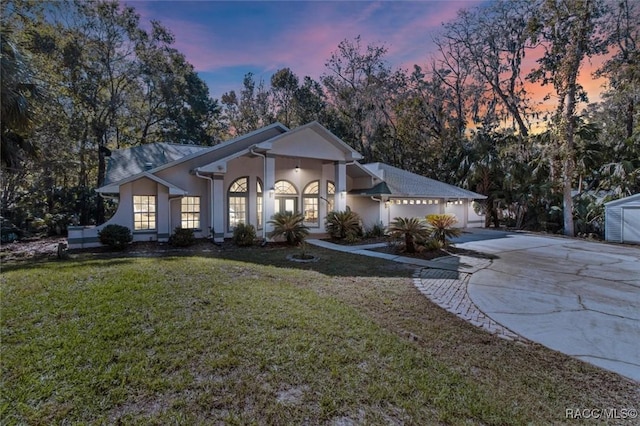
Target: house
x: 248, y: 179
x: 622, y: 220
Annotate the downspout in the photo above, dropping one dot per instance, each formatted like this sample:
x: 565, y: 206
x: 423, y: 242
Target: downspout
x: 210, y: 204
x: 379, y: 200
x: 264, y: 199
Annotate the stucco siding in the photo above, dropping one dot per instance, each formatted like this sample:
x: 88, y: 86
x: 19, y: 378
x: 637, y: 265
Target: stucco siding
x: 367, y: 209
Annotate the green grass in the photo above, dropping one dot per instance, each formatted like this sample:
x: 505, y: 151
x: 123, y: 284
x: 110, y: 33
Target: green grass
x: 206, y: 340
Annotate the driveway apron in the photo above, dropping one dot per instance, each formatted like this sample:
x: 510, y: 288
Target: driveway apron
x: 577, y: 297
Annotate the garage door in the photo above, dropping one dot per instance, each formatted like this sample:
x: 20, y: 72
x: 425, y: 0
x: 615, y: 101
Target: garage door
x: 631, y: 225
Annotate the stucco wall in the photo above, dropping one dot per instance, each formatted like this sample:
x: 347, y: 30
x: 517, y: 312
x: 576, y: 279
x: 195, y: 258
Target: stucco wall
x: 368, y: 210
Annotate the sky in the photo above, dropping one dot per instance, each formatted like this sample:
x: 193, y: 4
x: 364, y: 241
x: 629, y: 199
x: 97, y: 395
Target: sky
x: 224, y: 40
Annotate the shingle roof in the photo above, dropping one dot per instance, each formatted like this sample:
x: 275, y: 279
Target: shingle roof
x: 131, y: 161
x: 404, y: 183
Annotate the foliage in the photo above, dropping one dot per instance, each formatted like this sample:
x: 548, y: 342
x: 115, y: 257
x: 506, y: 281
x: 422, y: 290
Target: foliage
x: 442, y: 227
x: 182, y: 237
x: 289, y: 226
x: 376, y: 230
x: 244, y: 235
x: 588, y: 215
x: 115, y: 236
x: 412, y: 230
x: 344, y: 225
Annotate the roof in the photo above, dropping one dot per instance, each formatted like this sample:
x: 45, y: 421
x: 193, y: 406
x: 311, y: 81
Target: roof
x: 631, y: 200
x: 403, y: 183
x: 379, y: 189
x: 130, y: 163
x: 127, y: 162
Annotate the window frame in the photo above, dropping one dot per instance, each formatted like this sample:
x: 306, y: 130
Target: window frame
x: 146, y: 217
x: 311, y: 194
x: 190, y: 211
x: 236, y: 196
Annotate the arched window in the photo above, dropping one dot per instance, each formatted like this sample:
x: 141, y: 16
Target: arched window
x: 238, y: 200
x: 259, y: 203
x: 286, y: 197
x: 331, y: 196
x: 310, y: 197
x: 284, y: 187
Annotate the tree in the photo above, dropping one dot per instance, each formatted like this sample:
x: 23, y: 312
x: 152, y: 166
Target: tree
x: 18, y: 93
x: 284, y: 85
x: 249, y: 112
x: 569, y: 32
x: 493, y: 41
x: 356, y: 85
x: 411, y: 230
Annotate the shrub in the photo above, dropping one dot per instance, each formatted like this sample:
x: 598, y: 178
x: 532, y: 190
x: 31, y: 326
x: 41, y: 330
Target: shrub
x: 290, y: 226
x: 343, y: 225
x: 182, y: 237
x: 377, y: 230
x: 442, y: 227
x: 411, y: 229
x: 115, y: 236
x: 244, y: 235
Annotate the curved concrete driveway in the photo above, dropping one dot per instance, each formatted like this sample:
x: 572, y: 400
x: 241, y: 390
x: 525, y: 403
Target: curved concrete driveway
x: 580, y: 298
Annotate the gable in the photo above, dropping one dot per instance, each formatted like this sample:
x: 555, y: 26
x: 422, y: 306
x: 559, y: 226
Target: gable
x: 311, y: 141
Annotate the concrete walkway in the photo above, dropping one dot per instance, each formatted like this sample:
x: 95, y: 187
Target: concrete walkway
x: 443, y: 280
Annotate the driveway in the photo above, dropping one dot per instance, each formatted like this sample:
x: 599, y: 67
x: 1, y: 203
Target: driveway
x: 577, y: 297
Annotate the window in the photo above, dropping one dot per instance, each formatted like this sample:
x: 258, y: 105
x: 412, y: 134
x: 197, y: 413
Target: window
x: 286, y: 197
x: 283, y: 187
x: 331, y: 196
x: 259, y: 202
x: 144, y: 212
x: 310, y: 202
x: 238, y: 197
x: 190, y: 212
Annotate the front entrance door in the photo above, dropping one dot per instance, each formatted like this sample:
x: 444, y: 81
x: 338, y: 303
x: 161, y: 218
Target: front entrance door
x: 286, y: 204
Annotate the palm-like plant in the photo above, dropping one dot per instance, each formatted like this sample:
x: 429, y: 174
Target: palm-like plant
x: 290, y: 226
x: 343, y: 225
x: 442, y: 227
x: 411, y: 229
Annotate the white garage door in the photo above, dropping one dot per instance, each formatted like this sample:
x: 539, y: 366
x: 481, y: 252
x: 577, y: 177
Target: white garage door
x: 631, y: 225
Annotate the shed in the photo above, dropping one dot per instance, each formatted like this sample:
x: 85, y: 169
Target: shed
x: 622, y: 220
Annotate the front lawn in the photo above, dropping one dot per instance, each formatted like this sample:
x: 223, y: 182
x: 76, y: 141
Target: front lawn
x: 207, y: 340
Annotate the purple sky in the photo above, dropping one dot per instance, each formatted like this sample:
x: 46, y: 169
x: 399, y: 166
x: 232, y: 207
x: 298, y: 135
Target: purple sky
x: 224, y: 40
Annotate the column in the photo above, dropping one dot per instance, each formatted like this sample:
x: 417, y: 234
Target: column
x: 269, y: 197
x: 219, y: 213
x: 341, y: 185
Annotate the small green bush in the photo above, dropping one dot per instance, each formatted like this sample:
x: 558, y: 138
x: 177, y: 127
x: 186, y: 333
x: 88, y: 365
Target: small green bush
x: 344, y: 225
x: 182, y: 237
x: 289, y: 226
x: 115, y: 236
x: 244, y: 235
x: 376, y: 230
x: 412, y: 229
x: 442, y: 227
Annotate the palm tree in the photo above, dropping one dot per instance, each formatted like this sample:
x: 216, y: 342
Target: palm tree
x: 411, y: 229
x: 343, y: 225
x: 442, y: 227
x: 290, y: 226
x: 16, y: 107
